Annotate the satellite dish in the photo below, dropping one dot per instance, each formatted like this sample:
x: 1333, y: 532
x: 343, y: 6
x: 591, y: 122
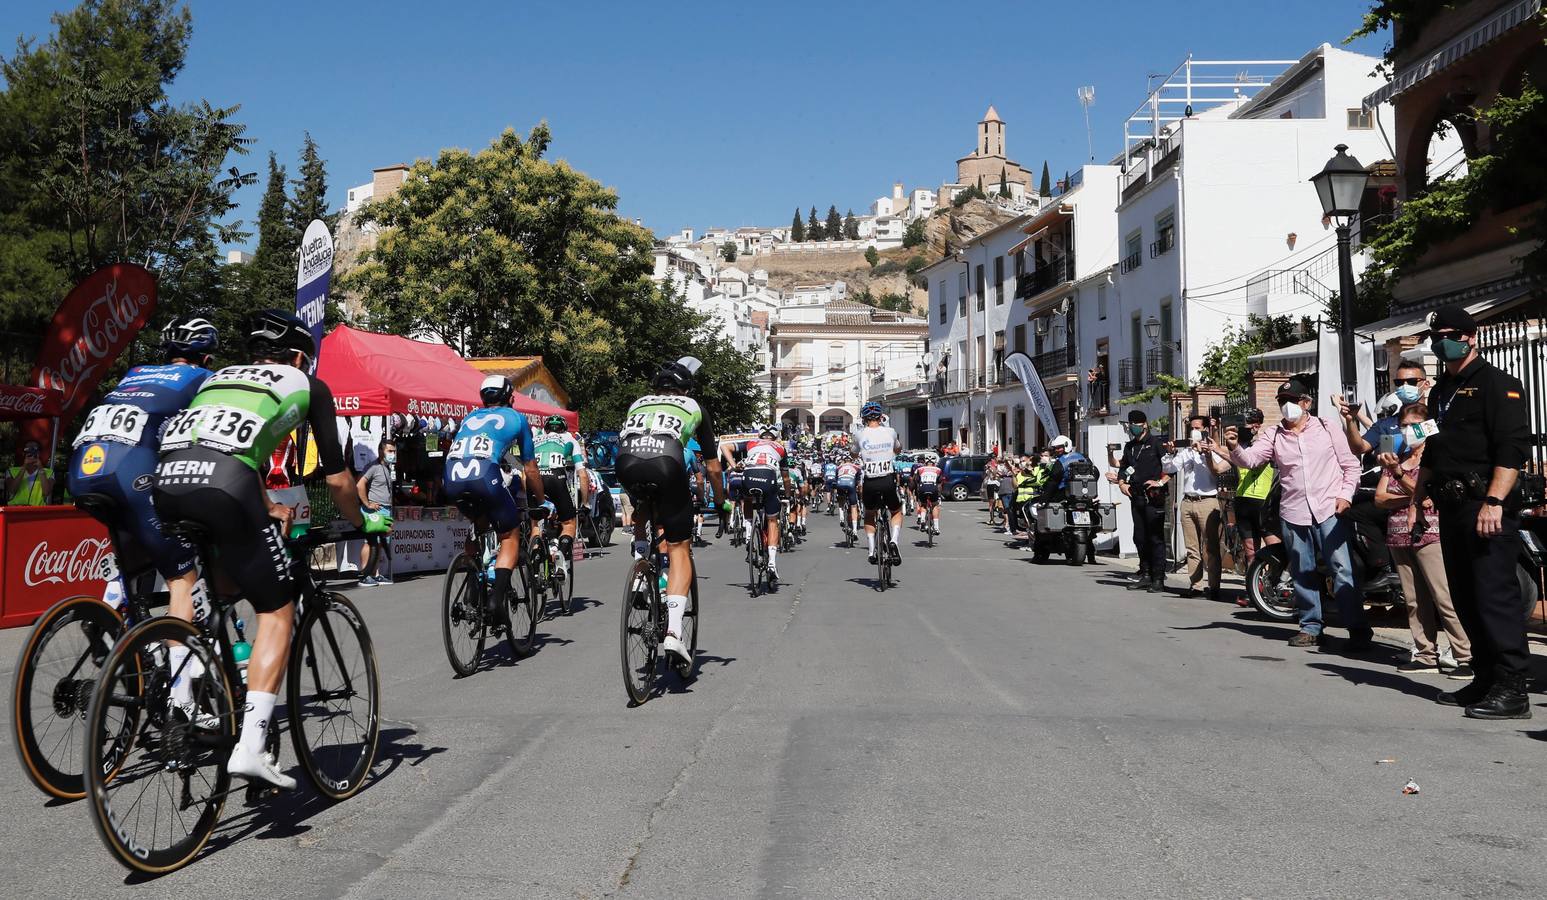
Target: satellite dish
x: 1063, y: 307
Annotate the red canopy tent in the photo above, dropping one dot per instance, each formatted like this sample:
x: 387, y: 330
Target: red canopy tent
x: 380, y: 374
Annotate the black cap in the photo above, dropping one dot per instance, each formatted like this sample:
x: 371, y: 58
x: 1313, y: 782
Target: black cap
x: 1452, y: 318
x: 1295, y: 388
x: 1253, y: 416
x: 1137, y: 417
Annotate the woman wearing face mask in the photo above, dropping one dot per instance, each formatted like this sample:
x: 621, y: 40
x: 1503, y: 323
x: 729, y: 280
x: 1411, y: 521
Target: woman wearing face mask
x: 1414, y: 537
x: 375, y: 488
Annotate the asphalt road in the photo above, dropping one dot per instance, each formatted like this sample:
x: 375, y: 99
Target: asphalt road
x: 991, y: 728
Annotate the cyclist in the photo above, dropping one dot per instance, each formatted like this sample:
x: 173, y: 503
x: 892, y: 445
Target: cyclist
x: 992, y: 473
x: 798, y: 487
x: 878, y: 447
x: 114, y: 459
x: 211, y: 454
x: 561, y: 463
x: 651, y: 452
x: 926, y: 486
x: 733, y: 489
x: 829, y: 475
x: 903, y: 465
x: 846, y: 487
x: 767, y: 471
x: 488, y: 440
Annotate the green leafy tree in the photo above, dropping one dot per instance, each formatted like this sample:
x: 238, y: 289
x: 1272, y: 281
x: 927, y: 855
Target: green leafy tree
x: 797, y: 228
x: 915, y: 263
x: 272, y: 268
x: 834, y: 225
x: 914, y: 234
x: 1047, y: 184
x: 814, y: 230
x: 850, y: 227
x: 872, y: 257
x: 310, y: 198
x: 728, y: 251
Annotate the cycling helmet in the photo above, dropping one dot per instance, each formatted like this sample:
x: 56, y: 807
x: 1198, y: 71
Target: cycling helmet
x: 768, y: 432
x: 276, y: 334
x: 871, y: 410
x: 555, y: 424
x: 189, y: 337
x: 679, y: 377
x: 496, y: 390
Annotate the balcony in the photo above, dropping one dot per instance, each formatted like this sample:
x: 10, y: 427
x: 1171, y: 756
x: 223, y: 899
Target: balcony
x: 1159, y: 361
x: 1060, y: 270
x: 1054, y: 362
x: 952, y: 381
x: 1132, y: 261
x: 1130, y: 376
x: 1162, y: 245
x: 791, y: 366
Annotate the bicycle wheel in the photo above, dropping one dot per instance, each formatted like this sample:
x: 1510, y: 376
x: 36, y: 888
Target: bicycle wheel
x: 754, y: 555
x: 156, y: 801
x: 567, y: 589
x: 686, y: 672
x: 334, y: 693
x: 55, y: 673
x: 462, y: 624
x: 523, y: 610
x: 639, y: 638
x: 883, y: 564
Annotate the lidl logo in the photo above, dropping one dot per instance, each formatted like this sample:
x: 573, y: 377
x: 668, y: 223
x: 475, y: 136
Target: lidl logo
x: 92, y: 459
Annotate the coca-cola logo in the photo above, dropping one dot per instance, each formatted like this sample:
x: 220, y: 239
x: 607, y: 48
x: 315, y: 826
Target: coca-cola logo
x: 83, y: 562
x: 106, y: 326
x: 24, y: 402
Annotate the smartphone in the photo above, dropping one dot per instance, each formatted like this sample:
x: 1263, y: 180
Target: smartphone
x: 1114, y: 447
x: 1388, y: 443
x: 1183, y: 442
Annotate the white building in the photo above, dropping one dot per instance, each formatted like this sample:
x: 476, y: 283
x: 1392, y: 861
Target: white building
x: 921, y: 202
x: 359, y: 195
x: 826, y: 357
x: 887, y: 231
x: 1217, y: 218
x: 817, y: 294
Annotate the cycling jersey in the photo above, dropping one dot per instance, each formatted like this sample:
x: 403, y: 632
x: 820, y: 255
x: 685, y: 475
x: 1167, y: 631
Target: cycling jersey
x: 557, y: 451
x: 1255, y: 483
x: 846, y: 475
x: 492, y: 434
x: 765, y: 454
x: 877, y: 451
x: 134, y: 411
x: 652, y: 451
x: 245, y: 412
x: 829, y: 472
x: 927, y: 478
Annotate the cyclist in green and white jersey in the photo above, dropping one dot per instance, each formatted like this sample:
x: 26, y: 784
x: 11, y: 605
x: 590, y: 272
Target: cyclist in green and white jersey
x: 561, y: 460
x: 211, y: 456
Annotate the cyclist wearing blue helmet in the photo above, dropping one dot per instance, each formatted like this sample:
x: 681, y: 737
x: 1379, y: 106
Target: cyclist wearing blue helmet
x: 878, y: 445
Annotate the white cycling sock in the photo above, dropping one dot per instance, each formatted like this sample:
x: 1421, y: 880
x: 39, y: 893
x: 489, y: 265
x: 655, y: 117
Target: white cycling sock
x: 773, y: 554
x: 870, y: 538
x: 675, y: 604
x: 749, y: 532
x: 185, y: 670
x: 896, y: 533
x: 255, y: 722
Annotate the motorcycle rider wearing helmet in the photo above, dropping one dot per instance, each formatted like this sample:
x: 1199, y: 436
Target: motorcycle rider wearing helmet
x: 114, y: 459
x: 211, y: 454
x: 475, y: 481
x: 561, y: 460
x: 651, y: 442
x: 878, y: 446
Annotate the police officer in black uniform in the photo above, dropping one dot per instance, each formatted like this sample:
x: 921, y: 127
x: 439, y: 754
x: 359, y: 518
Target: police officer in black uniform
x: 1144, y: 481
x: 1470, y: 470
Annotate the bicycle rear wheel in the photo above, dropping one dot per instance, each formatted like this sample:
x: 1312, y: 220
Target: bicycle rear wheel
x: 686, y: 672
x: 754, y: 557
x: 462, y: 624
x: 333, y: 691
x: 55, y: 674
x: 156, y: 801
x: 639, y: 638
x: 526, y: 605
x: 567, y: 589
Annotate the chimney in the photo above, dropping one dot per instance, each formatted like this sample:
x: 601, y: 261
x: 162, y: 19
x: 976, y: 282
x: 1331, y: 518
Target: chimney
x: 387, y: 179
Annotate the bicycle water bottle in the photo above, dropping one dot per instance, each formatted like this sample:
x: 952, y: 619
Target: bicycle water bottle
x: 488, y: 565
x: 241, y: 651
x: 665, y: 570
x: 115, y: 592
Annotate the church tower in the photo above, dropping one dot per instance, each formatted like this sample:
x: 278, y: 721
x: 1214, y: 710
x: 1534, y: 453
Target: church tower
x: 987, y: 166
x: 991, y: 134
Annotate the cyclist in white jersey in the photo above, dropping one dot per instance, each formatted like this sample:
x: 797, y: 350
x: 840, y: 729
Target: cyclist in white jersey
x: 878, y: 445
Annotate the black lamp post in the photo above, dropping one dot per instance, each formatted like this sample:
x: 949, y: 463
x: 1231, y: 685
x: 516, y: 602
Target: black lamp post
x: 1340, y: 186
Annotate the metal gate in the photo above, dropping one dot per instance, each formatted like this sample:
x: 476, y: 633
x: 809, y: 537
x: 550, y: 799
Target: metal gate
x: 1517, y: 344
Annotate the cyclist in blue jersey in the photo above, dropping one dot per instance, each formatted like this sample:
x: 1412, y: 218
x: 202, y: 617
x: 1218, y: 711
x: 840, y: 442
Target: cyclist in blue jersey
x: 829, y: 475
x: 476, y: 482
x: 113, y: 464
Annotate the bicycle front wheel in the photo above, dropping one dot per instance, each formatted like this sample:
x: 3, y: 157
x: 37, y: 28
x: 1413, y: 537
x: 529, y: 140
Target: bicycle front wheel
x: 333, y: 691
x: 639, y: 633
x: 462, y: 625
x: 156, y: 800
x: 55, y: 674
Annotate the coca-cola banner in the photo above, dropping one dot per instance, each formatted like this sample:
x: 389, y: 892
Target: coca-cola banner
x: 88, y: 332
x: 48, y: 553
x: 18, y: 402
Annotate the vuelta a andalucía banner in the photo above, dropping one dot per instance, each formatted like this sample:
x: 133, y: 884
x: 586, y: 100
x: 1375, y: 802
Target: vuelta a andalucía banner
x: 313, y: 274
x: 93, y: 325
x: 1021, y: 365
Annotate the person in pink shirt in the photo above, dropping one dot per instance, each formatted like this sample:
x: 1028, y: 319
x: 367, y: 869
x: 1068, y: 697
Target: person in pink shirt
x: 1317, y: 473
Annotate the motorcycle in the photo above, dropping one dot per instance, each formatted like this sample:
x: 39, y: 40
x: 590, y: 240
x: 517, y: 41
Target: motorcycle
x: 1069, y: 525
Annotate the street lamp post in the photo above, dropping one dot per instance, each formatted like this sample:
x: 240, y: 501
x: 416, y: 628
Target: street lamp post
x: 1340, y: 186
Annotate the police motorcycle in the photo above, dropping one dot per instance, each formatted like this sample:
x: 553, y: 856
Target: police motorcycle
x: 1068, y: 524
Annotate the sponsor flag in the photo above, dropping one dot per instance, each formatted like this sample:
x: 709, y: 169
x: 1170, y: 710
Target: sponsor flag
x: 313, y: 274
x: 1020, y: 364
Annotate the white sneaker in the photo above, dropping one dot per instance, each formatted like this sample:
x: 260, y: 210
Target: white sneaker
x: 639, y: 549
x: 258, y: 766
x: 673, y: 644
x: 204, y: 721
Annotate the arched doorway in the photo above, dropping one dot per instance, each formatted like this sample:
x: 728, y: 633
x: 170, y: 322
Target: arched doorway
x: 794, y: 419
x: 835, y: 419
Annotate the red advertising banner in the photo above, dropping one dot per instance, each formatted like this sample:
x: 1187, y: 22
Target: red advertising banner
x: 88, y: 332
x: 18, y: 402
x: 47, y: 553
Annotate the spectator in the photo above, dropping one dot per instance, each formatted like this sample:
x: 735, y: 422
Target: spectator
x: 1143, y: 480
x: 375, y: 488
x: 1256, y: 499
x: 1097, y: 379
x: 1420, y: 561
x: 1317, y: 476
x: 29, y: 484
x: 1198, y: 467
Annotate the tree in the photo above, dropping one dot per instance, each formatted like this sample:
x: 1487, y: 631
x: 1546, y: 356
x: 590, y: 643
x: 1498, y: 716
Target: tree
x: 834, y: 226
x: 980, y: 186
x: 797, y: 228
x: 311, y: 191
x: 872, y: 257
x: 97, y: 165
x: 503, y: 252
x: 272, y: 269
x: 1004, y: 182
x: 814, y: 230
x: 850, y: 227
x: 1047, y: 185
x: 728, y: 251
x: 913, y: 235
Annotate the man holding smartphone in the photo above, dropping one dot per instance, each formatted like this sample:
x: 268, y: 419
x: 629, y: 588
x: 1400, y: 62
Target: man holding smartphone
x: 1198, y: 462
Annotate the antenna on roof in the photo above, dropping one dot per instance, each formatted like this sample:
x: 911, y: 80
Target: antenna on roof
x: 1087, y: 95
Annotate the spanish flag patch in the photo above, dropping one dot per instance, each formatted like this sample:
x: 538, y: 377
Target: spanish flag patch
x: 1513, y: 395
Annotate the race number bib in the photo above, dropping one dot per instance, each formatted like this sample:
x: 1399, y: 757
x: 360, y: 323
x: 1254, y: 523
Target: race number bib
x: 876, y: 468
x: 121, y: 424
x: 654, y: 422
x: 224, y: 428
x: 928, y: 477
x: 474, y: 446
x: 553, y: 460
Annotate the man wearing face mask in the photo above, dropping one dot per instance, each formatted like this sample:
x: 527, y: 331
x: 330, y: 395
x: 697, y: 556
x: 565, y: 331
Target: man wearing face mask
x: 1470, y: 470
x: 1143, y: 479
x: 1317, y: 475
x: 1199, y: 465
x: 375, y: 488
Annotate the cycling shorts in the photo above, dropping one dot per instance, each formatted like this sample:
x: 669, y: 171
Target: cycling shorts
x: 651, y: 470
x: 734, y: 489
x: 991, y: 489
x: 763, y: 479
x: 848, y: 493
x: 226, y: 496
x: 124, y: 476
x: 556, y: 491
x: 477, y: 487
x: 882, y: 491
x: 1256, y: 519
x: 829, y: 482
x: 928, y: 491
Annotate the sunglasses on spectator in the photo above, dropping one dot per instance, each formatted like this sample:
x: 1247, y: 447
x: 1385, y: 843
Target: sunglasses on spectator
x: 1409, y: 381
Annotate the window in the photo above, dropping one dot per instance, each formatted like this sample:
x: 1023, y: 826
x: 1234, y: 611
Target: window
x: 1020, y: 339
x: 961, y: 293
x: 1101, y: 301
x: 1134, y: 255
x: 1136, y: 332
x: 1020, y: 264
x: 942, y: 311
x: 979, y: 284
x: 1360, y: 120
x: 1165, y: 233
x: 999, y: 281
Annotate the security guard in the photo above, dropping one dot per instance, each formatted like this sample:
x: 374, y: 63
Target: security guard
x: 1144, y: 480
x: 1470, y: 470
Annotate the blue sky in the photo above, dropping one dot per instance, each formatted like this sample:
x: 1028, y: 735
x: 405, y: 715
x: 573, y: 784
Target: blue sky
x: 707, y: 114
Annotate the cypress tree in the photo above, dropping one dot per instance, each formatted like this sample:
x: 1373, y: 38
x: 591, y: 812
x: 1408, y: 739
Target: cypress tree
x: 1004, y: 183
x: 273, y: 263
x: 850, y: 226
x: 814, y: 227
x: 834, y: 227
x: 1047, y: 184
x: 797, y: 228
x: 311, y: 190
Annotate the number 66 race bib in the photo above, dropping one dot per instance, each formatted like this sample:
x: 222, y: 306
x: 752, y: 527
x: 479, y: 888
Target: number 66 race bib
x: 121, y: 424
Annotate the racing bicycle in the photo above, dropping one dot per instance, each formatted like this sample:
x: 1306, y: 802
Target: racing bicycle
x: 643, y: 625
x: 465, y: 626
